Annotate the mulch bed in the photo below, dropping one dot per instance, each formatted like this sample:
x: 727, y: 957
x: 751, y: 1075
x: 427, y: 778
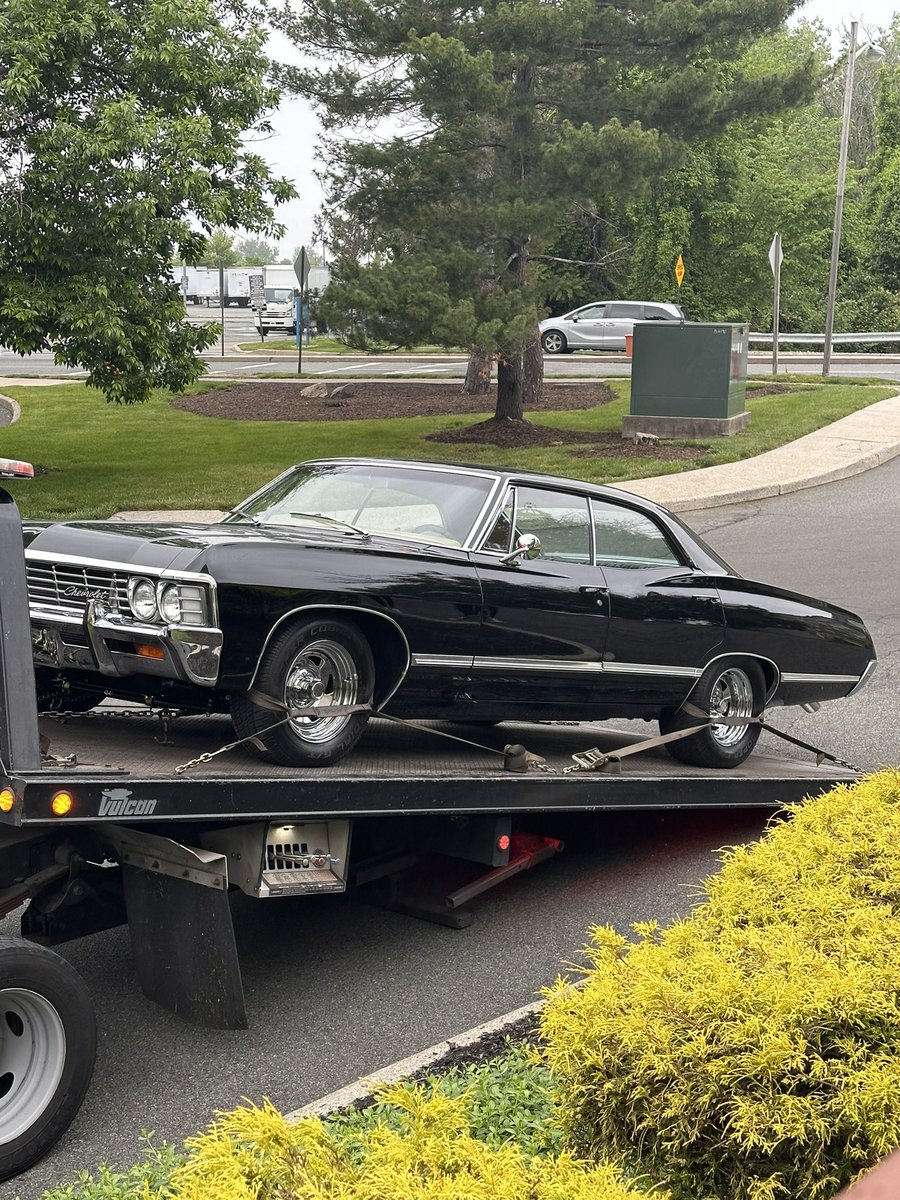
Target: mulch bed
x: 277, y: 401
x: 271, y: 401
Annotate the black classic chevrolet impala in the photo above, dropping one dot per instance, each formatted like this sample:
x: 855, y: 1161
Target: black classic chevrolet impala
x: 348, y: 586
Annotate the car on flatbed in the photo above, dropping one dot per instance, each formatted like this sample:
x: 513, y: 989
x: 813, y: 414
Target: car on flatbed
x: 348, y: 586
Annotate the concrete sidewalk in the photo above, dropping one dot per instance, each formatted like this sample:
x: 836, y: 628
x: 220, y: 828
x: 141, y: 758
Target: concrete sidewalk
x: 851, y: 445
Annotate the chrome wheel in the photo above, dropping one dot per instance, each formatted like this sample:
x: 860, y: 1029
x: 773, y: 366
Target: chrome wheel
x: 322, y: 674
x: 32, y: 1059
x: 731, y: 696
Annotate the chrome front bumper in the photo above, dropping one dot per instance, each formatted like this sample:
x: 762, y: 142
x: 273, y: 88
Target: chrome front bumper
x: 107, y: 642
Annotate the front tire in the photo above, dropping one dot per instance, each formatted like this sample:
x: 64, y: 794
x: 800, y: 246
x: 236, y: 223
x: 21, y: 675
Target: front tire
x: 729, y: 689
x: 554, y: 342
x: 312, y: 664
x: 48, y: 1042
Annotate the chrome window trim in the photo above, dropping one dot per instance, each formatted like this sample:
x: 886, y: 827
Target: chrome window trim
x: 338, y: 608
x: 681, y: 556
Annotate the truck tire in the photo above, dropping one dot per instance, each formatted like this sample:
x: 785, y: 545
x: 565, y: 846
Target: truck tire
x: 316, y: 662
x: 48, y: 1041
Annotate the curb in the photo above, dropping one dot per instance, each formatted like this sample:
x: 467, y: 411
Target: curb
x: 9, y: 410
x: 363, y: 1088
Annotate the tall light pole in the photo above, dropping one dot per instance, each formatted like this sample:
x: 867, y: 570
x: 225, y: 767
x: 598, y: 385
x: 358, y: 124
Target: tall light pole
x: 875, y: 53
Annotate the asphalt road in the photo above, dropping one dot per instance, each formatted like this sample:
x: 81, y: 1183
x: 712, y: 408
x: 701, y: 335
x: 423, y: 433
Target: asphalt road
x: 336, y: 989
x: 239, y: 328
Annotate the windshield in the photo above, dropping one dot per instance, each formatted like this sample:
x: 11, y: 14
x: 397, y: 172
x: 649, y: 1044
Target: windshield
x: 425, y: 504
x: 280, y: 295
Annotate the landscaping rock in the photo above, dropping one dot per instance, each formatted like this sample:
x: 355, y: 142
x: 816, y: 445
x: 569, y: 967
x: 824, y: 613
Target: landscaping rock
x: 317, y: 391
x: 344, y: 392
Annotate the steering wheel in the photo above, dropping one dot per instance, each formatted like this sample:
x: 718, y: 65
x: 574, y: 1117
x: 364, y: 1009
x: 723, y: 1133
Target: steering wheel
x: 438, y: 529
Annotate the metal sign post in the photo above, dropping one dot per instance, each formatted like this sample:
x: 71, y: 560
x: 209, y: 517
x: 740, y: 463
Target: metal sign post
x: 776, y: 257
x: 222, y: 307
x: 301, y: 270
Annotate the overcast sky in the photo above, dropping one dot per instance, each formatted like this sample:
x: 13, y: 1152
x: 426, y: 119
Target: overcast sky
x: 291, y: 150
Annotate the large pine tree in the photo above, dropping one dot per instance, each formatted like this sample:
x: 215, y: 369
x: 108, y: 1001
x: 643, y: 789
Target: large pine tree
x: 501, y: 116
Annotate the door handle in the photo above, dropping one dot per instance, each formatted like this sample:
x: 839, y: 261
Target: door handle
x: 594, y: 591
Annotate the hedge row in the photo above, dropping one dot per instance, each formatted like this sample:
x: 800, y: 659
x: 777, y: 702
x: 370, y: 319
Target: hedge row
x: 752, y: 1050
x: 255, y: 1154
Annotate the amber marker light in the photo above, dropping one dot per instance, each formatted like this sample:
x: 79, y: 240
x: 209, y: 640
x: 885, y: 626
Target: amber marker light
x: 147, y: 650
x: 61, y: 804
x: 7, y: 800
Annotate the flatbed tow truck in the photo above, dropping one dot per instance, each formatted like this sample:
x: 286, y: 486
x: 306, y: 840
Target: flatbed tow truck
x: 128, y: 815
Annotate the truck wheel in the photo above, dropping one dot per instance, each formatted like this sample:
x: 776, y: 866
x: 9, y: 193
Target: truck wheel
x: 48, y: 1041
x: 316, y: 663
x: 730, y: 689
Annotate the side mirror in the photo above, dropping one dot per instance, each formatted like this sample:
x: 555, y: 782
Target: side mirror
x: 528, y: 546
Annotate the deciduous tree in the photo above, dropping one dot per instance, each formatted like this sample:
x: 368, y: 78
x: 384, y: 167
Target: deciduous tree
x: 121, y: 148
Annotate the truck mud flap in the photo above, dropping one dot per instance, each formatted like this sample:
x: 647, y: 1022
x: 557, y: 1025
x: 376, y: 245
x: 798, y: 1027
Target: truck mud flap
x: 182, y: 934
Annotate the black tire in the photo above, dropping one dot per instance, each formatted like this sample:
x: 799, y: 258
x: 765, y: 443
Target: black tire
x: 335, y: 661
x: 48, y: 1042
x: 554, y: 342
x: 730, y: 687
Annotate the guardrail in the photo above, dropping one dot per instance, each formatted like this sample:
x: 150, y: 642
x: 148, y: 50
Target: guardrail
x: 818, y: 339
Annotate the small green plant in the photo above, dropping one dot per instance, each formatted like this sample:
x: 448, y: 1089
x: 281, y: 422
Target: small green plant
x: 146, y: 1180
x: 752, y: 1051
x: 509, y: 1098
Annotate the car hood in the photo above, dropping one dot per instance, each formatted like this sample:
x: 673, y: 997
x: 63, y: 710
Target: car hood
x: 164, y: 545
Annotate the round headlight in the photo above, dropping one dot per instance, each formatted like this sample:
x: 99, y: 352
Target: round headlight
x: 143, y: 599
x: 170, y: 604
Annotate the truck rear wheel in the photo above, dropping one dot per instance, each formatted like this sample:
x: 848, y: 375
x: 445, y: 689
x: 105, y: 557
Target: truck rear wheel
x: 48, y: 1041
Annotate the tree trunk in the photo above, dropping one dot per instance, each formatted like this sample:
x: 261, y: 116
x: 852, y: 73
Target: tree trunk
x: 478, y: 374
x: 520, y: 381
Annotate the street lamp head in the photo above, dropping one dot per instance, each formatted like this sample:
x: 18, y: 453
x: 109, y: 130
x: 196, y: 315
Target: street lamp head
x: 871, y: 52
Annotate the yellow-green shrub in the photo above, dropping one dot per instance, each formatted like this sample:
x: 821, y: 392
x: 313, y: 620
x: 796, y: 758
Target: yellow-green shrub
x: 752, y: 1050
x: 255, y: 1154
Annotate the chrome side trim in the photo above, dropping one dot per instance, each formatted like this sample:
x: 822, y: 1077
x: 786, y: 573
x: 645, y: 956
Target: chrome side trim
x: 372, y: 612
x: 865, y: 677
x: 451, y: 661
x: 617, y: 668
x: 811, y: 677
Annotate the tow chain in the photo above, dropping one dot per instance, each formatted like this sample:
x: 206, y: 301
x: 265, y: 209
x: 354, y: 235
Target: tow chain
x: 516, y: 758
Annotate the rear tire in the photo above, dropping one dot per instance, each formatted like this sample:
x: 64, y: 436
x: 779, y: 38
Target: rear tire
x: 727, y: 688
x: 48, y: 1042
x: 317, y: 662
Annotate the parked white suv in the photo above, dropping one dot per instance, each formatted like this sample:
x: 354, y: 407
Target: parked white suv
x: 602, y: 326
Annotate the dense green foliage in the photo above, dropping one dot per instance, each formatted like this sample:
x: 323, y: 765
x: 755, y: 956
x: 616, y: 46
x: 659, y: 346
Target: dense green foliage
x: 751, y: 1051
x: 513, y: 112
x: 120, y: 148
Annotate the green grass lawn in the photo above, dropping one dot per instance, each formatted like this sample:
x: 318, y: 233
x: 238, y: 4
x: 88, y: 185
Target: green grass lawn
x: 99, y: 458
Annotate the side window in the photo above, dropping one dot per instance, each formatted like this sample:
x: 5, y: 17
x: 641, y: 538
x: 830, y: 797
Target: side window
x: 500, y: 536
x: 593, y: 313
x: 655, y: 312
x: 626, y: 538
x: 624, y: 310
x: 560, y: 520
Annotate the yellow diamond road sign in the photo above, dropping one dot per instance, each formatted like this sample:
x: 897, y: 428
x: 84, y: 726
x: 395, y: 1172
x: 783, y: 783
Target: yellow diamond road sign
x: 679, y: 270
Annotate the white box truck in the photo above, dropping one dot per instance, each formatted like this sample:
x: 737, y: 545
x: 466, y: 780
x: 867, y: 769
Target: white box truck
x: 278, y: 313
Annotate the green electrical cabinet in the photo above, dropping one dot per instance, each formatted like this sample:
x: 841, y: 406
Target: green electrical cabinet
x: 687, y: 380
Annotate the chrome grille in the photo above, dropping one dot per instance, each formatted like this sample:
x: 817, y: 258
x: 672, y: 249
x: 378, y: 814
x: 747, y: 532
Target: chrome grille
x: 69, y: 588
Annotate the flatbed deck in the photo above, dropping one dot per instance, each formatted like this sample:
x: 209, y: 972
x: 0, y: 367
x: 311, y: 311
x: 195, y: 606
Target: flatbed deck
x: 397, y: 769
